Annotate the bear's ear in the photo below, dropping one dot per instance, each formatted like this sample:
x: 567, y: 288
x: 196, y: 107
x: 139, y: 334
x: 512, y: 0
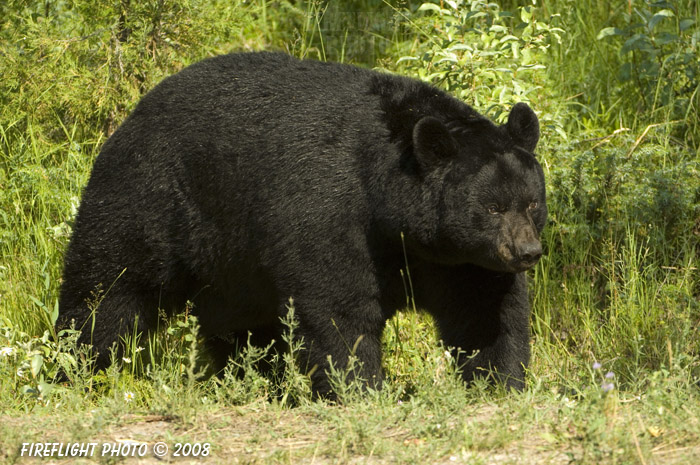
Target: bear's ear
x: 432, y: 142
x: 523, y: 127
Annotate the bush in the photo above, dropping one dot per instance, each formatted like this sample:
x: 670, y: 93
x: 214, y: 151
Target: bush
x: 488, y: 57
x: 660, y: 70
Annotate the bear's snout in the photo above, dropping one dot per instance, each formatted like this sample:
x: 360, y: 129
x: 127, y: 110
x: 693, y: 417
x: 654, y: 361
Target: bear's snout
x: 519, y: 245
x: 528, y: 254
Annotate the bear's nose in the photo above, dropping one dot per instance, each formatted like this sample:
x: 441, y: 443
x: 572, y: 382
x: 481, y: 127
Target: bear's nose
x: 529, y: 253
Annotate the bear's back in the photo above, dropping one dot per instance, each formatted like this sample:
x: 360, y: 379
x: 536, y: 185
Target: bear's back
x: 259, y: 86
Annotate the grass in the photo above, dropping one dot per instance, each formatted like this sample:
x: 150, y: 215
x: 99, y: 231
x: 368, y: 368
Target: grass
x: 439, y: 423
x: 618, y: 286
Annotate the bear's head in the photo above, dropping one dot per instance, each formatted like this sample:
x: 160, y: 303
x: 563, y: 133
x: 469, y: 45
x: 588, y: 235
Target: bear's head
x: 482, y: 191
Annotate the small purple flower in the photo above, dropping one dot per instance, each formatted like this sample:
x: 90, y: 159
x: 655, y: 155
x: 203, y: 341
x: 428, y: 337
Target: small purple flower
x: 607, y: 387
x: 609, y: 375
x: 597, y: 365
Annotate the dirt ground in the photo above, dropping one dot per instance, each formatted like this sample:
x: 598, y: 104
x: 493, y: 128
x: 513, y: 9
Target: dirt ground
x: 233, y: 438
x: 236, y: 437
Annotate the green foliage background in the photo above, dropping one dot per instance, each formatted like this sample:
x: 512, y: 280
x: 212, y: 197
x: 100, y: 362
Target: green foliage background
x: 617, y: 88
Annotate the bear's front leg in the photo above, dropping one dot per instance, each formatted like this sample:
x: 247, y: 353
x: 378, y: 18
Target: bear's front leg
x: 488, y: 313
x: 334, y: 332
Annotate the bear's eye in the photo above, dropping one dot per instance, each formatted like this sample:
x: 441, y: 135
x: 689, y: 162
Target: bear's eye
x: 533, y: 205
x: 496, y: 209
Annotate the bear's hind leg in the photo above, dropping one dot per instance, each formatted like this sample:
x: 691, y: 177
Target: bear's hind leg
x: 105, y: 318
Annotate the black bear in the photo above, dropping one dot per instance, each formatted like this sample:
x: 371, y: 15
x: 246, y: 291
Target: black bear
x: 250, y: 178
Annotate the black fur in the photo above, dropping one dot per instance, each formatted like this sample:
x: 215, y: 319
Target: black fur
x: 247, y: 179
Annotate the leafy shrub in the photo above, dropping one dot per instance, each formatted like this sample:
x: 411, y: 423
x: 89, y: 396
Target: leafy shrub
x: 483, y: 55
x: 32, y: 366
x: 660, y: 69
x: 608, y: 190
x: 267, y: 372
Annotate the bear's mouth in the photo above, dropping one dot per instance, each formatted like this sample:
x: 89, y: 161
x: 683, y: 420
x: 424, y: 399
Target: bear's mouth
x: 519, y: 266
x: 522, y: 261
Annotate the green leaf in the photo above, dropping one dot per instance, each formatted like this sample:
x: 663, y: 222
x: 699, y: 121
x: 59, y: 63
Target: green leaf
x: 686, y: 23
x: 35, y: 364
x: 54, y: 314
x: 666, y: 13
x: 636, y: 42
x: 67, y: 360
x: 475, y: 14
x: 28, y: 390
x: 608, y: 31
x: 45, y: 388
x: 515, y: 49
x: 406, y: 58
x: 658, y: 17
x: 37, y: 301
x: 436, y: 76
x: 531, y: 67
x: 507, y: 38
x: 666, y: 38
x: 561, y: 133
x: 430, y: 7
x: 461, y: 47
